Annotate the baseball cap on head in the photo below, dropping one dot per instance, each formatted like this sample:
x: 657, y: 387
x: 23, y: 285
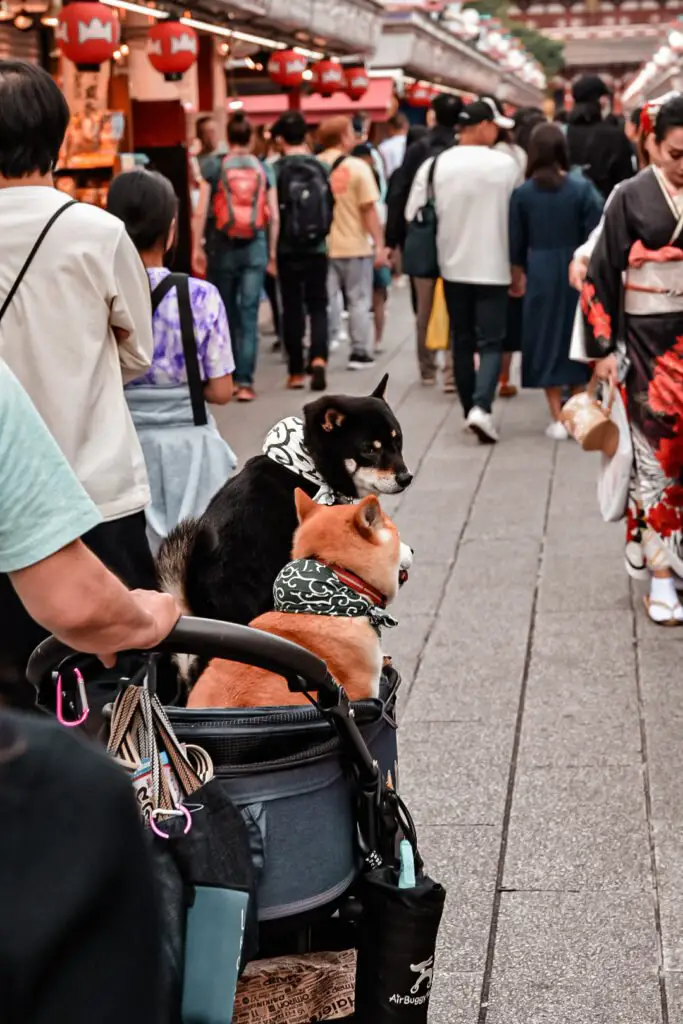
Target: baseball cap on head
x: 485, y: 110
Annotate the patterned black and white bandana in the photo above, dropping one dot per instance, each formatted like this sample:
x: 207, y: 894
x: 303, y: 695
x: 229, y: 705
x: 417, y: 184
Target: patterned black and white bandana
x: 313, y: 588
x: 284, y: 444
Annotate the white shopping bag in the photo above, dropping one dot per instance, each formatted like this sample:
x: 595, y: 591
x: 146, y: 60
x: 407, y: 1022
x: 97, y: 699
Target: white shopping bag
x: 577, y: 348
x: 615, y: 473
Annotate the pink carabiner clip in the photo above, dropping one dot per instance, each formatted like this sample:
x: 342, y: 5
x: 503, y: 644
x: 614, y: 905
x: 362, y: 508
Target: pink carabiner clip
x: 85, y: 707
x: 182, y: 810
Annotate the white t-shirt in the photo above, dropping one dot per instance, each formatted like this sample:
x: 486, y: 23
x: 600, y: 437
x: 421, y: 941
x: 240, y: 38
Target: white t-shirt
x: 393, y: 151
x: 473, y: 186
x: 57, y: 336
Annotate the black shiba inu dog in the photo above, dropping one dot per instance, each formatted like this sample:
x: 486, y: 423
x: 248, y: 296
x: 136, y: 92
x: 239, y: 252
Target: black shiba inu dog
x: 223, y: 565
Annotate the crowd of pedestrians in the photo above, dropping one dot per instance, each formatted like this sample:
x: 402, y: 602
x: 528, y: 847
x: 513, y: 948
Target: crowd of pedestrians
x: 108, y: 361
x: 304, y: 223
x: 508, y: 200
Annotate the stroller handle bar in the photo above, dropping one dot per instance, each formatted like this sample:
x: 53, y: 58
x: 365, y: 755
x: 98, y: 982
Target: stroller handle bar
x: 209, y: 638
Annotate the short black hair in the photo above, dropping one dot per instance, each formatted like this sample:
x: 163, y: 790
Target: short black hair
x: 447, y: 109
x: 201, y: 121
x: 634, y: 117
x: 589, y: 89
x: 34, y: 116
x: 240, y: 130
x: 670, y: 116
x: 291, y: 128
x: 147, y: 205
x: 362, y: 150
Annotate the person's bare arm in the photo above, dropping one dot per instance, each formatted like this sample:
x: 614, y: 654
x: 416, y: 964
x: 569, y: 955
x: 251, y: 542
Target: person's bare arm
x: 218, y: 391
x: 73, y: 595
x: 273, y: 230
x: 199, y: 219
x: 373, y: 226
x: 131, y: 311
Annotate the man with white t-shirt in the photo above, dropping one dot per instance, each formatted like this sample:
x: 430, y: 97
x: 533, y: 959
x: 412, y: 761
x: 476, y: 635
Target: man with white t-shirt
x: 75, y: 321
x: 472, y: 187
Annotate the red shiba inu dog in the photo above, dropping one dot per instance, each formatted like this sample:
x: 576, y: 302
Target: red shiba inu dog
x: 348, y: 561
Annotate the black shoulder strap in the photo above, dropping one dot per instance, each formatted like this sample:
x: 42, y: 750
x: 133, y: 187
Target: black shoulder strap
x: 31, y: 256
x: 337, y: 163
x: 181, y: 283
x: 431, y: 192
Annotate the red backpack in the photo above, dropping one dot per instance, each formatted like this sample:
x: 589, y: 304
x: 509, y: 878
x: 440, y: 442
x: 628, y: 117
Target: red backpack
x: 240, y: 205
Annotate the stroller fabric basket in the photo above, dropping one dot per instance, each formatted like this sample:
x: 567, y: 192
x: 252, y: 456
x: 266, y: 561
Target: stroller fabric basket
x: 286, y: 770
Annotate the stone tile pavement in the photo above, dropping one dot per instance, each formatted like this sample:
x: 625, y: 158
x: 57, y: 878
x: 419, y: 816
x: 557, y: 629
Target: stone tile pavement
x: 541, y: 715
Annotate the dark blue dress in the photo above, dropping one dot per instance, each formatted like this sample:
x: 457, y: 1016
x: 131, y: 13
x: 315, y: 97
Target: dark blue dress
x: 546, y: 227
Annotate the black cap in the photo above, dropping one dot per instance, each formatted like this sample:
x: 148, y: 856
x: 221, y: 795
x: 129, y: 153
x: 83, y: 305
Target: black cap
x: 589, y: 88
x: 484, y: 110
x: 447, y: 108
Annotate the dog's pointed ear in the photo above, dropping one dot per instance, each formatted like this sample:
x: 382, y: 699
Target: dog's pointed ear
x: 381, y: 389
x: 368, y: 515
x: 304, y: 504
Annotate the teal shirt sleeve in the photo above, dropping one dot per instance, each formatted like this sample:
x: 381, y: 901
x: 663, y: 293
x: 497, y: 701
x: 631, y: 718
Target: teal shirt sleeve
x: 43, y: 507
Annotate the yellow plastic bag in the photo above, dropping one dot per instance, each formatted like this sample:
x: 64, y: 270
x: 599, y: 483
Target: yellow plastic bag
x: 439, y: 329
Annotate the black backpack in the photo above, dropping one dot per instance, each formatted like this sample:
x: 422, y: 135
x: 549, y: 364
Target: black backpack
x: 306, y: 202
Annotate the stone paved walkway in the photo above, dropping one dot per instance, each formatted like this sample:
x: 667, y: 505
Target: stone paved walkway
x: 541, y: 716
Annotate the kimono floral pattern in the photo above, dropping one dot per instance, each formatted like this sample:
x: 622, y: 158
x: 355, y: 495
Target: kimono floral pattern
x: 639, y: 221
x: 596, y: 315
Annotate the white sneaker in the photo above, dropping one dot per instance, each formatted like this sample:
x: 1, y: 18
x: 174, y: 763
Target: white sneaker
x: 481, y: 424
x: 557, y: 431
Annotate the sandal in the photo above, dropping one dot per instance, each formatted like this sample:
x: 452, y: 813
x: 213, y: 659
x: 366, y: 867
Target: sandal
x: 668, y: 617
x: 245, y: 393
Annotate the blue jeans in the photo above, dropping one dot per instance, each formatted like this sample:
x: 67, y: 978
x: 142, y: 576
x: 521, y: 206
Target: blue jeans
x: 238, y: 270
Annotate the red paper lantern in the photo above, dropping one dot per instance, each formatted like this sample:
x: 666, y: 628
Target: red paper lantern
x: 88, y: 34
x: 286, y: 68
x: 357, y: 82
x: 172, y: 48
x: 420, y: 94
x: 328, y: 77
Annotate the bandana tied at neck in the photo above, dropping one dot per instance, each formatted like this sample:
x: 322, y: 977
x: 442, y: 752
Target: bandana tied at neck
x: 284, y: 444
x: 310, y: 587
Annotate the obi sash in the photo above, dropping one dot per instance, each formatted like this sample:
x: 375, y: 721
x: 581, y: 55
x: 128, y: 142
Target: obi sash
x: 653, y: 282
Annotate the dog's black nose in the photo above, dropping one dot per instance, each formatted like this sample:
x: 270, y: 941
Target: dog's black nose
x: 404, y: 478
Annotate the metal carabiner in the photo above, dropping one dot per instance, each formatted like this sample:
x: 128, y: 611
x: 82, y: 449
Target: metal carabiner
x: 80, y: 701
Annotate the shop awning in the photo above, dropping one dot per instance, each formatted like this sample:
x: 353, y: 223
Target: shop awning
x: 377, y: 104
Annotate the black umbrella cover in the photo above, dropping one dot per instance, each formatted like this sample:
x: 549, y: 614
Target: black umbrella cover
x: 396, y: 948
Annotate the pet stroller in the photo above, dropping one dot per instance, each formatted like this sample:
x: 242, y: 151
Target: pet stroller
x: 317, y: 791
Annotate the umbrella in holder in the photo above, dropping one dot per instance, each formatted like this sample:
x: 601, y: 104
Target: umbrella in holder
x: 402, y: 906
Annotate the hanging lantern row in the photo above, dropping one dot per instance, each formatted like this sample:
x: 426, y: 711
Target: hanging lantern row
x: 89, y: 34
x: 287, y: 68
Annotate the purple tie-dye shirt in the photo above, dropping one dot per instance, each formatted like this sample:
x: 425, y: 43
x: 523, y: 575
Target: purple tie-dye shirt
x: 211, y: 332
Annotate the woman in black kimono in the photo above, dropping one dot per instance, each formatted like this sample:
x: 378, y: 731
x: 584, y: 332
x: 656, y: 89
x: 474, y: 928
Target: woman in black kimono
x: 643, y: 238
